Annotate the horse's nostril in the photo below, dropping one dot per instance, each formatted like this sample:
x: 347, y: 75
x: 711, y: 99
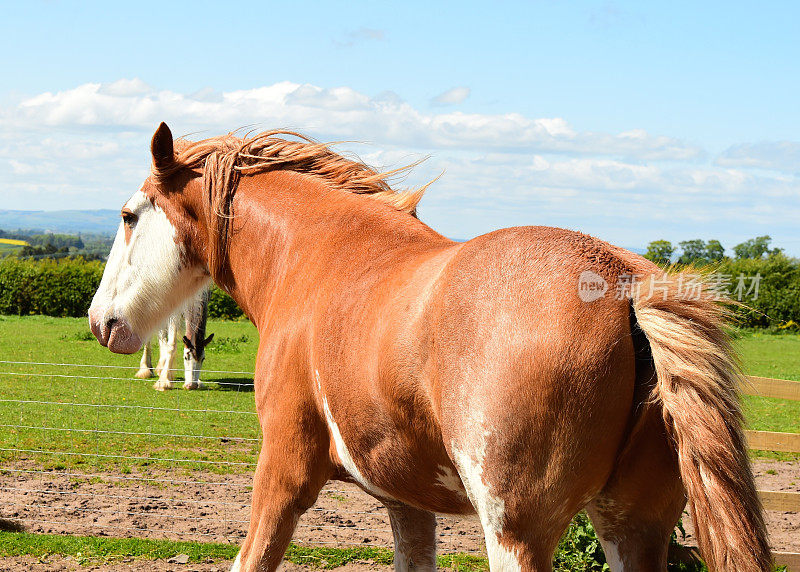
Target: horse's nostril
x: 110, y: 323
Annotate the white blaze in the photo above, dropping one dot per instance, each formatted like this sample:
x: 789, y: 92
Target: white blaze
x: 145, y: 279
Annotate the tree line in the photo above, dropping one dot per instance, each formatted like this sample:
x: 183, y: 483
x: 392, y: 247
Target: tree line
x: 47, y: 245
x: 699, y: 252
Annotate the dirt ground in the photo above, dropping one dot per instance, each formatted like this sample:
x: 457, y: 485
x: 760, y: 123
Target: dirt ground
x: 209, y: 507
x: 60, y: 564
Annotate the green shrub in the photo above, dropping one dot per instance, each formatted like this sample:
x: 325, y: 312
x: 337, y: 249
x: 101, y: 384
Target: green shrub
x: 50, y: 287
x: 65, y: 287
x: 222, y: 306
x: 778, y: 300
x: 579, y: 550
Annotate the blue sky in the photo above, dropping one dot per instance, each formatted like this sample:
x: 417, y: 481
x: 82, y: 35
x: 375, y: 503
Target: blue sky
x: 631, y: 121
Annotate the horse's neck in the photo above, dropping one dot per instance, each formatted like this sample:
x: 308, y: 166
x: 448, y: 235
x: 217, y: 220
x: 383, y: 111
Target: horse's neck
x: 291, y: 231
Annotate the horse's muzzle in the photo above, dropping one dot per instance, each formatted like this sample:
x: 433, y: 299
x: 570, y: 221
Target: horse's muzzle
x: 116, y: 333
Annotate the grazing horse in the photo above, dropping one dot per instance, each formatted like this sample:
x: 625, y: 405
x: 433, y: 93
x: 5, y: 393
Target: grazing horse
x: 195, y: 316
x: 522, y: 375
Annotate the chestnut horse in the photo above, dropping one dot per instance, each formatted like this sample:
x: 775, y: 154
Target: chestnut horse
x: 520, y: 375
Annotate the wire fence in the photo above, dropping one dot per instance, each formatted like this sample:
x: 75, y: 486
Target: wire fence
x: 89, y: 449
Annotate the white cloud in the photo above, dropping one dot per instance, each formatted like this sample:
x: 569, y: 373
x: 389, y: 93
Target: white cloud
x: 354, y: 37
x: 777, y: 156
x: 20, y: 168
x: 336, y: 99
x: 340, y: 113
x: 452, y: 96
x: 87, y: 147
x: 126, y: 87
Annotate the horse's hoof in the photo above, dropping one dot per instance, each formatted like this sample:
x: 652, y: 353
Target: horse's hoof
x: 162, y: 385
x: 144, y: 373
x: 193, y: 385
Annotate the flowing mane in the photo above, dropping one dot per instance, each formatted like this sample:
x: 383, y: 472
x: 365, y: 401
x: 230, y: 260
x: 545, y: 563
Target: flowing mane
x: 226, y: 158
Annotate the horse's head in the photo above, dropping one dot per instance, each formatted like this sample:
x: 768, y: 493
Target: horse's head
x: 154, y: 265
x: 194, y: 354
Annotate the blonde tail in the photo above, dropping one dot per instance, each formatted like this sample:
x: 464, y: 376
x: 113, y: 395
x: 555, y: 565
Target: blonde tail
x: 697, y: 386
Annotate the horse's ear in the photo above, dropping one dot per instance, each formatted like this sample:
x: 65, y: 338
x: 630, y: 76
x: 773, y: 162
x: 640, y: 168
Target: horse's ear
x: 162, y: 148
x: 186, y: 341
x: 208, y: 340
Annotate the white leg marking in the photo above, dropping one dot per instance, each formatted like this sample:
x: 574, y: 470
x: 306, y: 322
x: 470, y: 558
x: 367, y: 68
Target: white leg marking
x: 491, y: 509
x: 167, y: 343
x: 500, y: 557
x: 237, y: 564
x: 608, y: 540
x: 402, y: 563
x: 612, y: 556
x: 341, y: 449
x: 146, y: 364
x: 406, y: 548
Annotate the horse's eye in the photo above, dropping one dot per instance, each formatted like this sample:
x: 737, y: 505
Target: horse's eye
x: 128, y: 218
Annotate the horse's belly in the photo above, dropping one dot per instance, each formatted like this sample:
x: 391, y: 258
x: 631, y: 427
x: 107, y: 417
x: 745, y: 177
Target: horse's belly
x: 393, y: 454
x: 419, y: 474
x: 437, y: 497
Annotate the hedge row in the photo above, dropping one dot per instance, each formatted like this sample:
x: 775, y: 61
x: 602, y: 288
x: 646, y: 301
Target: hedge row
x: 222, y: 306
x: 65, y: 288
x: 777, y: 304
x: 50, y: 287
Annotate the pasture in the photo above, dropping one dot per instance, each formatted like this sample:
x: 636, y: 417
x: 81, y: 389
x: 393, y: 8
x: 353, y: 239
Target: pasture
x: 128, y: 410
x: 7, y: 247
x: 72, y: 429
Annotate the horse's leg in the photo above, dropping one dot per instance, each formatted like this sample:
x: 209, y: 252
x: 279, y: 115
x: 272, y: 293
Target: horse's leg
x: 533, y: 449
x: 162, y: 340
x: 521, y: 524
x: 636, y: 511
x: 168, y: 342
x: 146, y: 363
x: 293, y: 466
x: 414, y: 533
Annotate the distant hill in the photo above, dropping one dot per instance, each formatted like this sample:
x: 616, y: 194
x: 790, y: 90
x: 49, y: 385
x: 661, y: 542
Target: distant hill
x: 102, y: 221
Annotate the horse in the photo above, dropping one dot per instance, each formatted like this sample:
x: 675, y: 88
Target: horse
x: 195, y: 316
x: 520, y: 376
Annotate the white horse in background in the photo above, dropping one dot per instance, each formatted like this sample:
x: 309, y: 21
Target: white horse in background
x: 195, y: 315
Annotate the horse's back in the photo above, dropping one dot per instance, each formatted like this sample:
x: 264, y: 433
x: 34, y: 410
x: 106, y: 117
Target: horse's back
x: 538, y: 296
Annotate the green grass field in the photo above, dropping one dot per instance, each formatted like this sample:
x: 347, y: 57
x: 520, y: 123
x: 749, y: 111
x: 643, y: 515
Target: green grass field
x: 6, y: 248
x: 103, y: 417
x: 577, y: 551
x: 93, y: 551
x: 776, y: 356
